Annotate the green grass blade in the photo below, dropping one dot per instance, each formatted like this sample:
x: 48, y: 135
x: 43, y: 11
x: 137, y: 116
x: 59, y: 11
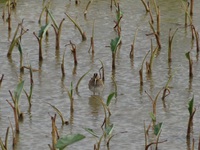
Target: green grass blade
x: 79, y: 81
x: 109, y: 129
x: 109, y: 98
x: 114, y: 43
x: 91, y: 132
x: 52, y: 18
x: 67, y: 140
x: 157, y: 128
x: 191, y: 105
x: 187, y: 55
x: 18, y: 91
x: 43, y: 30
x: 59, y: 113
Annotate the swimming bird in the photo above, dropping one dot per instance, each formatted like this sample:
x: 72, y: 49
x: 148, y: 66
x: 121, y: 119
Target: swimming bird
x: 95, y: 84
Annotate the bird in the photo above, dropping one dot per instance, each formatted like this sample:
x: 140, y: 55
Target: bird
x: 96, y: 84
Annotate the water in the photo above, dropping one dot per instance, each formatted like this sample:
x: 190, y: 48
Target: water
x: 131, y: 107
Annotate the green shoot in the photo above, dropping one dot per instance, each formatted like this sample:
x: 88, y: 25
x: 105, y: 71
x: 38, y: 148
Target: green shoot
x: 171, y: 37
x: 79, y: 28
x: 141, y: 70
x: 68, y: 140
x: 192, y: 111
x: 190, y: 64
x: 59, y: 113
x: 114, y: 45
x: 39, y: 38
x: 29, y: 96
x: 79, y: 81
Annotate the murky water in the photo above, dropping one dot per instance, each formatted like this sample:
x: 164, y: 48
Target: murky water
x: 132, y: 106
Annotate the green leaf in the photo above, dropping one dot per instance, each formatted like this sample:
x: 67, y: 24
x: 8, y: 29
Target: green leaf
x: 20, y: 49
x: 187, y: 55
x: 43, y: 30
x: 153, y: 117
x: 59, y: 113
x: 114, y: 43
x: 191, y: 105
x: 110, y: 98
x: 18, y: 90
x: 109, y: 129
x: 68, y: 139
x: 52, y: 18
x: 157, y: 128
x: 91, y: 132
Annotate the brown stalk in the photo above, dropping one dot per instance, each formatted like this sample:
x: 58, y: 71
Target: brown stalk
x: 158, y: 21
x: 1, y: 79
x: 131, y: 55
x: 147, y: 147
x: 186, y: 13
x: 15, y: 116
x: 197, y: 37
x: 191, y: 7
x: 154, y: 102
x: 150, y: 13
x: 54, y: 132
x: 63, y: 65
x: 73, y: 49
x: 190, y: 123
x: 145, y: 6
x: 113, y: 60
x: 156, y: 35
x: 9, y: 16
x: 40, y: 46
x: 58, y: 33
x: 86, y: 9
x: 141, y: 70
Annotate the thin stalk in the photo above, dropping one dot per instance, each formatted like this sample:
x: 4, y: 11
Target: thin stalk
x: 79, y: 28
x: 1, y: 80
x: 141, y: 70
x: 15, y: 116
x: 131, y: 55
x: 145, y: 6
x: 40, y: 46
x: 190, y: 123
x: 86, y: 9
x: 58, y: 33
x: 190, y: 64
x: 158, y: 21
x: 9, y: 16
x: 156, y: 35
x: 191, y: 7
x: 63, y: 65
x: 53, y: 132
x: 170, y: 40
x: 79, y: 81
x: 92, y: 40
x: 150, y: 13
x: 197, y: 37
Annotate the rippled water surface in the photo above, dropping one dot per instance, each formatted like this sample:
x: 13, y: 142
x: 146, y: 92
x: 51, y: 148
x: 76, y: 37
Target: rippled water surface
x: 132, y: 106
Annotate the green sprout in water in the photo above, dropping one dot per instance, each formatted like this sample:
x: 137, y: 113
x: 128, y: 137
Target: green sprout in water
x: 39, y: 38
x: 192, y: 111
x: 68, y: 140
x: 17, y: 114
x: 56, y: 28
x: 114, y: 45
x: 190, y: 64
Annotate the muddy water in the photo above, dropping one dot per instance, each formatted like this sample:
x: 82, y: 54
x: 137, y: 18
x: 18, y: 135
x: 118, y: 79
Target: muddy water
x: 132, y: 106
